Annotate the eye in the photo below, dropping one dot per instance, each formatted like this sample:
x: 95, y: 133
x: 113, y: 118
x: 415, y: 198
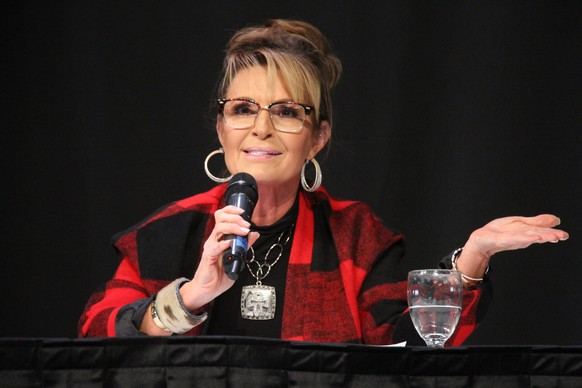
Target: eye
x: 287, y: 111
x: 241, y: 108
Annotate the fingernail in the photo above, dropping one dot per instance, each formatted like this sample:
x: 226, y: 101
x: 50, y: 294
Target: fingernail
x: 246, y: 230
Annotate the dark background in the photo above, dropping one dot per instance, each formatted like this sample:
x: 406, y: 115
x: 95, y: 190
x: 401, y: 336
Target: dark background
x: 449, y: 114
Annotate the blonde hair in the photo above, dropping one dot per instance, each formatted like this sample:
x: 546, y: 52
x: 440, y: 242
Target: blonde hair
x: 295, y: 50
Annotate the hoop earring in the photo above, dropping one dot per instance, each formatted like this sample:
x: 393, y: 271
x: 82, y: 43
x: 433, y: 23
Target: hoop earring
x: 215, y: 178
x: 316, y: 181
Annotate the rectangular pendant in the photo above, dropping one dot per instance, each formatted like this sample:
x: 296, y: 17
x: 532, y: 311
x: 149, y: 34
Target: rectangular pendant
x: 258, y: 302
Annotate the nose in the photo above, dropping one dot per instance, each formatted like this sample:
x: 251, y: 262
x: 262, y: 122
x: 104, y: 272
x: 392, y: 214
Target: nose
x: 263, y: 126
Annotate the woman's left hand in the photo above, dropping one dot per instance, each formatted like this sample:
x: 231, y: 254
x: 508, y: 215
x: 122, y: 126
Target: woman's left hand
x: 504, y: 234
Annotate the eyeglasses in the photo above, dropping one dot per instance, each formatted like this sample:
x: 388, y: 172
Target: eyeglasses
x: 242, y: 113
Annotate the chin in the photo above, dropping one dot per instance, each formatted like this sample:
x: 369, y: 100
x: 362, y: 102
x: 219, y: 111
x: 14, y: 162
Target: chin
x: 269, y: 176
x: 266, y: 179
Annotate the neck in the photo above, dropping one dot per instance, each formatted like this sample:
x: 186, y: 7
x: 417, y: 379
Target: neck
x: 273, y: 204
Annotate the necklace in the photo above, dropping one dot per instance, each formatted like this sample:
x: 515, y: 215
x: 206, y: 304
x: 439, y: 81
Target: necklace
x: 258, y: 302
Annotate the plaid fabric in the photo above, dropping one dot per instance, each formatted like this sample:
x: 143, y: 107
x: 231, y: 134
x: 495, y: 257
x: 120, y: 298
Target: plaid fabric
x: 344, y: 282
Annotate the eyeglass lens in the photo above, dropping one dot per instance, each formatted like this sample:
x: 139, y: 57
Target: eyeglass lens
x: 285, y: 117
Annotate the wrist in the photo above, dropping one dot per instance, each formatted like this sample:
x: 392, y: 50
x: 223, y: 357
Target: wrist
x: 470, y: 275
x: 171, y: 314
x: 155, y: 316
x: 191, y: 298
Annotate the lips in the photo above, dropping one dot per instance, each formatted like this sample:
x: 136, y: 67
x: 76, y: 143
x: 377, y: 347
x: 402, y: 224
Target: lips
x: 262, y: 152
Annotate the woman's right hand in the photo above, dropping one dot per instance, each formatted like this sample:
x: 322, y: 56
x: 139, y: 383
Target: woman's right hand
x: 210, y: 280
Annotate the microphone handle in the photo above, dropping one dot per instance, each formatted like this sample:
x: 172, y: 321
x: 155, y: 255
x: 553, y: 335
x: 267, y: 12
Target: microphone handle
x: 233, y: 259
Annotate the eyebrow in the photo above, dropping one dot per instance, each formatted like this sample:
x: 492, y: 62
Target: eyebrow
x: 241, y: 98
x: 272, y: 102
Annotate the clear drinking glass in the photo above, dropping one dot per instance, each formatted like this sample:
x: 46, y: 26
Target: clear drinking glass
x: 435, y: 299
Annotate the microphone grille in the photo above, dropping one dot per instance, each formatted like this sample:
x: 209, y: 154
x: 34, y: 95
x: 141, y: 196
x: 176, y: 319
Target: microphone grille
x: 243, y: 182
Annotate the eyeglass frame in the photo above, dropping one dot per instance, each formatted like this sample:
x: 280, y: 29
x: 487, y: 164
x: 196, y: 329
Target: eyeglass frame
x: 307, y: 108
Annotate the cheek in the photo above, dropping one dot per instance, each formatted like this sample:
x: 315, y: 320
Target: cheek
x: 231, y: 138
x: 310, y: 148
x: 230, y: 143
x: 299, y: 148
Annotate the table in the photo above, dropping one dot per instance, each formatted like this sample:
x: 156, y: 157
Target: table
x: 211, y: 361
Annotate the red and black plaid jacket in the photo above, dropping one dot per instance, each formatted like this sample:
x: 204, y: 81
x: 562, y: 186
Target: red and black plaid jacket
x: 344, y: 270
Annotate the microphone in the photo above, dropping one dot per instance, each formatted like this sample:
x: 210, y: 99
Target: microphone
x: 241, y: 192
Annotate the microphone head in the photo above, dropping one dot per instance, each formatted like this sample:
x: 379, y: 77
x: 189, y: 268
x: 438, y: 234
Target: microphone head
x: 244, y: 183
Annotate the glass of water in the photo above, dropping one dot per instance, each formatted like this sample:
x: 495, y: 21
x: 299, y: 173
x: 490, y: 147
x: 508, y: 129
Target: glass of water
x: 435, y: 299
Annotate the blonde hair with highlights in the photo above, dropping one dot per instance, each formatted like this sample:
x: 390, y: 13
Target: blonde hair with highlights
x: 294, y: 50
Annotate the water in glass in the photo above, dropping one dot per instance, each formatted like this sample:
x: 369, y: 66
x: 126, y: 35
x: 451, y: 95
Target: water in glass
x: 435, y: 299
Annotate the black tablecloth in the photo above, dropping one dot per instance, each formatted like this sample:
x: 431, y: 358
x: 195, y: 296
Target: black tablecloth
x: 254, y: 362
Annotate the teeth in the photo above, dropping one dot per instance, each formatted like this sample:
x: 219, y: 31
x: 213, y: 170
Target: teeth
x: 261, y: 153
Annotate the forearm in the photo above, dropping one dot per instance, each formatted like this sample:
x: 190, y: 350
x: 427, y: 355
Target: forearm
x: 101, y: 311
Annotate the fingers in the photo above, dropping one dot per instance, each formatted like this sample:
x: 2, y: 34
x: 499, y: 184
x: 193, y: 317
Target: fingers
x: 543, y: 225
x: 540, y: 228
x: 229, y: 221
x: 543, y: 220
x: 512, y: 233
x: 253, y: 236
x: 551, y: 235
x: 215, y: 250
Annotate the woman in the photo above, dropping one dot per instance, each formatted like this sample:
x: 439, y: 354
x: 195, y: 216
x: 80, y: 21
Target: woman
x: 318, y: 269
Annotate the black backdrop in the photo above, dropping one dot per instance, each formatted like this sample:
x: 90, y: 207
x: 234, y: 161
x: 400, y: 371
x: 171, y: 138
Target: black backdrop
x: 449, y: 114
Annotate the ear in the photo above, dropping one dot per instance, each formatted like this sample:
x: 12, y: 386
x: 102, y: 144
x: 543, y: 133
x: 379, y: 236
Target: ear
x: 321, y: 139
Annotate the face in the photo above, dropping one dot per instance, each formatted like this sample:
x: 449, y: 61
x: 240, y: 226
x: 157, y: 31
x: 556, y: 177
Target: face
x: 272, y: 157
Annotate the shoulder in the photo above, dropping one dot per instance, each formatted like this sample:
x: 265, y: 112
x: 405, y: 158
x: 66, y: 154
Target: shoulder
x: 210, y: 198
x: 349, y: 213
